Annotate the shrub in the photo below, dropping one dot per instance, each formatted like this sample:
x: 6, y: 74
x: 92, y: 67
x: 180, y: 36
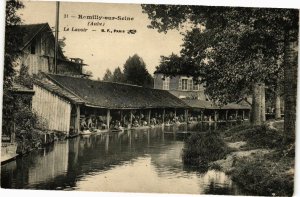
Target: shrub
x: 29, y: 130
x: 263, y: 176
x: 202, y: 148
x: 25, y: 119
x: 41, y: 124
x: 256, y: 136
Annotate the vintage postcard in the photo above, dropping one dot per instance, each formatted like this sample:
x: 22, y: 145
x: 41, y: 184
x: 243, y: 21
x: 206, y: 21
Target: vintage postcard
x: 146, y: 98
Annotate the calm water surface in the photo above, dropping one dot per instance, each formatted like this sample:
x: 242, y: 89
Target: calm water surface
x: 132, y: 161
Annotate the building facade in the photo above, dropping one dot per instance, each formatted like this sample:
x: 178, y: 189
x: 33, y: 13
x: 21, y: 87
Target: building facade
x: 181, y: 86
x: 38, y: 51
x: 201, y: 108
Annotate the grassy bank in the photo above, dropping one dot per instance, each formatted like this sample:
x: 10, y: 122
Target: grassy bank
x: 254, y: 156
x: 268, y: 173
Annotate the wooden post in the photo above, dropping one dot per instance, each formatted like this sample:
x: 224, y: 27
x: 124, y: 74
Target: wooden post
x: 56, y: 38
x: 149, y: 116
x: 77, y: 119
x: 175, y: 113
x: 108, y: 118
x: 106, y: 142
x: 13, y: 134
x: 163, y: 116
x: 131, y: 117
x: 202, y: 115
x: 186, y: 112
x: 130, y: 137
x: 121, y: 115
x: 236, y: 114
x: 215, y: 116
x: 140, y: 118
x: 226, y: 115
x: 243, y: 115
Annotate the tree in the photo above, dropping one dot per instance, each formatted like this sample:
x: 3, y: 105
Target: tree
x: 107, y: 75
x: 13, y: 40
x: 118, y: 76
x: 87, y: 73
x: 238, y: 46
x: 135, y: 72
x: 62, y: 43
x: 290, y: 80
x: 177, y: 65
x: 24, y: 78
x: 275, y: 89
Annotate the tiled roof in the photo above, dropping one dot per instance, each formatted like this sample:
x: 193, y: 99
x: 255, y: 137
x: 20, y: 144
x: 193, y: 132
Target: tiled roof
x: 20, y: 89
x: 30, y: 31
x: 110, y: 95
x: 55, y: 89
x: 201, y: 104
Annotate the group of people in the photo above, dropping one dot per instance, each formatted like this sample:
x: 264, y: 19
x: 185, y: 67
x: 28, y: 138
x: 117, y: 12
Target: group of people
x: 98, y: 122
x: 92, y: 123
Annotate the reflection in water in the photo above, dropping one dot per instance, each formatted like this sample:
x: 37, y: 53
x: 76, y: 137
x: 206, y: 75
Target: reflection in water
x: 50, y: 166
x: 131, y: 161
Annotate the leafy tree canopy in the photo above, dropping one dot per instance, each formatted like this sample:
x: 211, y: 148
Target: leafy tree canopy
x: 135, y: 72
x: 118, y: 76
x: 236, y: 48
x: 13, y: 39
x: 62, y: 43
x: 107, y: 75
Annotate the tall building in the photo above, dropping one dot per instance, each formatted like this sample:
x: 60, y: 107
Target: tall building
x: 182, y: 86
x: 38, y: 51
x: 201, y: 107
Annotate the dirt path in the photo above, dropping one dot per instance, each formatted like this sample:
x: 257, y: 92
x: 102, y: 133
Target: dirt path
x: 227, y: 164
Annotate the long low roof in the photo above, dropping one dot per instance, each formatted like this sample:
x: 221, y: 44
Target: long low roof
x: 108, y: 94
x: 201, y: 104
x: 20, y: 89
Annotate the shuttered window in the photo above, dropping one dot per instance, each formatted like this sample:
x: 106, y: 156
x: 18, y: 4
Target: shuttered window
x: 195, y: 86
x: 184, y: 84
x: 179, y: 85
x: 190, y: 85
x: 166, y: 83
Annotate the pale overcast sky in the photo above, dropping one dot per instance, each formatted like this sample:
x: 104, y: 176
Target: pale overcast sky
x: 102, y: 50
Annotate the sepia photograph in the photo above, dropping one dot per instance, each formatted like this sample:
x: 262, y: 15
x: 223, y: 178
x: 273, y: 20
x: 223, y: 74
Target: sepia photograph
x: 149, y: 98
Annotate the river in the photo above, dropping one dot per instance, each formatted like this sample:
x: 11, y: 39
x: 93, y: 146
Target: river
x: 131, y: 161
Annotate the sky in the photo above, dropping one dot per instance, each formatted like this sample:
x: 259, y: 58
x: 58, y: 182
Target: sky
x: 105, y: 50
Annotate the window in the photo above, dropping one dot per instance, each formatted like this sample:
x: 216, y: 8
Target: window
x: 195, y: 86
x: 166, y: 83
x: 190, y: 85
x: 43, y: 44
x: 184, y: 84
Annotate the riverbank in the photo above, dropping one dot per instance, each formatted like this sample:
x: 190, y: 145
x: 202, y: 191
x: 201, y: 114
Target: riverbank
x: 259, y: 162
x: 26, y: 141
x: 8, y: 152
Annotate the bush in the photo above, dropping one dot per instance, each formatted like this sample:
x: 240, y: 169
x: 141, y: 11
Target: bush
x: 263, y: 176
x: 25, y: 119
x: 28, y: 140
x: 29, y: 130
x: 202, y: 148
x: 256, y: 136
